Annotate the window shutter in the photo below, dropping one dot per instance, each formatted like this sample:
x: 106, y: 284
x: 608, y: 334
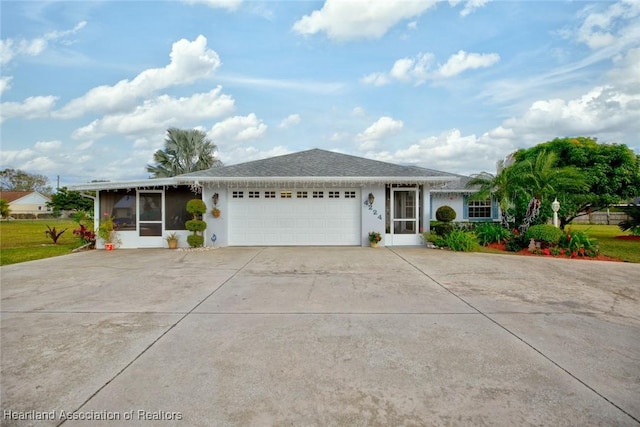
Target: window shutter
x: 465, y: 207
x: 494, y: 208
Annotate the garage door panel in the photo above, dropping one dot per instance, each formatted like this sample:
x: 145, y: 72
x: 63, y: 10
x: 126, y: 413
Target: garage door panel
x: 295, y: 220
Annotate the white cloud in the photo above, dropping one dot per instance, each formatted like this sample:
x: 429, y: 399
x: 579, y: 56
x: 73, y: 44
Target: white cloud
x: 384, y: 127
x: 12, y: 48
x: 347, y: 20
x: 358, y: 112
x: 463, y: 61
x: 33, y: 107
x: 417, y: 70
x: 218, y: 4
x: 247, y: 154
x: 5, y: 83
x: 450, y: 151
x: 291, y: 120
x: 48, y: 145
x: 158, y: 114
x: 600, y: 29
x: 237, y: 128
x: 338, y: 136
x: 190, y: 61
x: 471, y: 5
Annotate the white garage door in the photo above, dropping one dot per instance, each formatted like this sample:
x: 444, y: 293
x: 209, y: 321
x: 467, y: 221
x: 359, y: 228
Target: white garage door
x: 285, y: 217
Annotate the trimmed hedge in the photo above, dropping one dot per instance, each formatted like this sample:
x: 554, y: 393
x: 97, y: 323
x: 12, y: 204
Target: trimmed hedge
x: 544, y: 233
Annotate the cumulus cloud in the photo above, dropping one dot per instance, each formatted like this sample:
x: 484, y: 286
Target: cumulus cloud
x: 238, y: 128
x: 158, y: 114
x: 12, y: 48
x: 218, y: 4
x: 347, y: 20
x: 190, y: 61
x: 418, y: 69
x: 34, y: 107
x: 600, y: 29
x: 470, y: 6
x: 384, y: 127
x: 291, y: 120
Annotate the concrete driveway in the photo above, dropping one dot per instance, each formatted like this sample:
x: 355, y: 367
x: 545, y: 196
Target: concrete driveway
x: 319, y: 336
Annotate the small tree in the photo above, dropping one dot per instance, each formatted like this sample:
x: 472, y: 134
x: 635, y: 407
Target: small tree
x: 5, y: 210
x: 196, y: 207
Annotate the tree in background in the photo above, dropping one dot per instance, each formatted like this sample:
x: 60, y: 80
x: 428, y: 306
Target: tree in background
x: 18, y: 180
x: 5, y: 210
x: 184, y: 151
x: 611, y: 173
x: 65, y: 200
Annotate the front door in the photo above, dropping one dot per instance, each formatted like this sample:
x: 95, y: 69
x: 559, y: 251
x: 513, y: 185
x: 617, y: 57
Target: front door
x: 150, y: 219
x: 405, y: 211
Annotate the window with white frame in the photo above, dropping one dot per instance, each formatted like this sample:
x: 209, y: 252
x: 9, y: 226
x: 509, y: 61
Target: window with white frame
x: 237, y: 194
x: 269, y: 194
x: 318, y: 194
x: 334, y: 194
x: 301, y: 194
x: 285, y: 194
x: 349, y: 194
x: 254, y: 194
x: 479, y: 209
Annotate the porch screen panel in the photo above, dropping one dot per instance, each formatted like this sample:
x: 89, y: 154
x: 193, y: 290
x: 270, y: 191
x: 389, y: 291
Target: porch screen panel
x: 175, y: 212
x: 121, y: 207
x: 150, y: 214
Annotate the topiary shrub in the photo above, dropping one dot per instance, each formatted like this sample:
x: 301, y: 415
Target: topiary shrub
x: 197, y: 208
x: 544, y: 233
x: 442, y: 228
x: 445, y: 214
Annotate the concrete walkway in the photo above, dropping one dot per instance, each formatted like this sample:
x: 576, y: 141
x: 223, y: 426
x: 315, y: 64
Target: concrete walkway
x: 319, y: 337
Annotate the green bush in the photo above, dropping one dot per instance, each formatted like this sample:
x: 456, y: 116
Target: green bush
x: 490, y: 232
x: 544, y: 233
x: 459, y: 240
x: 445, y: 214
x: 516, y: 243
x: 196, y: 207
x: 195, y: 225
x: 195, y: 240
x: 443, y: 228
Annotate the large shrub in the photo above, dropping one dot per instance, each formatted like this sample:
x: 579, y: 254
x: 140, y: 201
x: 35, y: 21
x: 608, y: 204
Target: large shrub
x: 445, y: 214
x: 544, y: 233
x: 196, y: 207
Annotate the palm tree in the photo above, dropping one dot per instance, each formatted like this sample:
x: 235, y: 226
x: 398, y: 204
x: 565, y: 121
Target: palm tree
x: 502, y: 187
x: 184, y: 151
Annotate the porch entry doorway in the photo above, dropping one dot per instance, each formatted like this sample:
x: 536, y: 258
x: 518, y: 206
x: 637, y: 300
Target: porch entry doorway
x: 404, y: 212
x: 150, y: 218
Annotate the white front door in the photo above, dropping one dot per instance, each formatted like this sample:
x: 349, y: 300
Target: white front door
x: 405, y: 211
x: 292, y: 217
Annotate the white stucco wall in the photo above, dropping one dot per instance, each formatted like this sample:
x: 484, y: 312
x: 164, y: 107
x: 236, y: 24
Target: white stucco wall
x: 373, y: 217
x: 216, y: 226
x: 456, y: 201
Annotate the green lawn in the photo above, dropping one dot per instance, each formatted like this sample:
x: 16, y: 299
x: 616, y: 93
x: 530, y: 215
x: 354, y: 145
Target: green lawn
x: 626, y: 250
x: 24, y: 240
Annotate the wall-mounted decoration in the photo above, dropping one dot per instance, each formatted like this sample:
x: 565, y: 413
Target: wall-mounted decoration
x: 215, y: 212
x: 369, y: 202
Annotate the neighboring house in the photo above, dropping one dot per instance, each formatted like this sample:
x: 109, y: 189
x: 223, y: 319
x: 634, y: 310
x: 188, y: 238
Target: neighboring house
x: 313, y: 197
x: 26, y: 204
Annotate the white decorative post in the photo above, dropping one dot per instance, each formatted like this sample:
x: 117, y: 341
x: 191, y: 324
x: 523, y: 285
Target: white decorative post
x: 555, y: 205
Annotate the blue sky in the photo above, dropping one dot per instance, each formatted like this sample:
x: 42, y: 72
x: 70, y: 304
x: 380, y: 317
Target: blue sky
x: 89, y: 88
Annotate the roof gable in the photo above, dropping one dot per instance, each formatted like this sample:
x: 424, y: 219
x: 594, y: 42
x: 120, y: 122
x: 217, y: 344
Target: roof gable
x: 317, y: 163
x: 24, y: 196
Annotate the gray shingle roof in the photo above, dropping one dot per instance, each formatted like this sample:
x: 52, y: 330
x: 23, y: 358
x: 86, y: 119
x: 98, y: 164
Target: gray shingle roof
x: 318, y: 163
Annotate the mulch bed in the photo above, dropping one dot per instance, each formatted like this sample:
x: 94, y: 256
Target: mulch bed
x: 637, y: 238
x: 526, y: 252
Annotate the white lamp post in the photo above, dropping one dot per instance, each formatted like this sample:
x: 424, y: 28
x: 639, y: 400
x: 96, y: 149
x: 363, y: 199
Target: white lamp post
x: 555, y: 205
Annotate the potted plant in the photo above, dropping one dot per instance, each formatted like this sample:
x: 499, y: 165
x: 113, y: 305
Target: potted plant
x: 107, y: 232
x: 172, y: 240
x: 215, y: 212
x: 374, y: 238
